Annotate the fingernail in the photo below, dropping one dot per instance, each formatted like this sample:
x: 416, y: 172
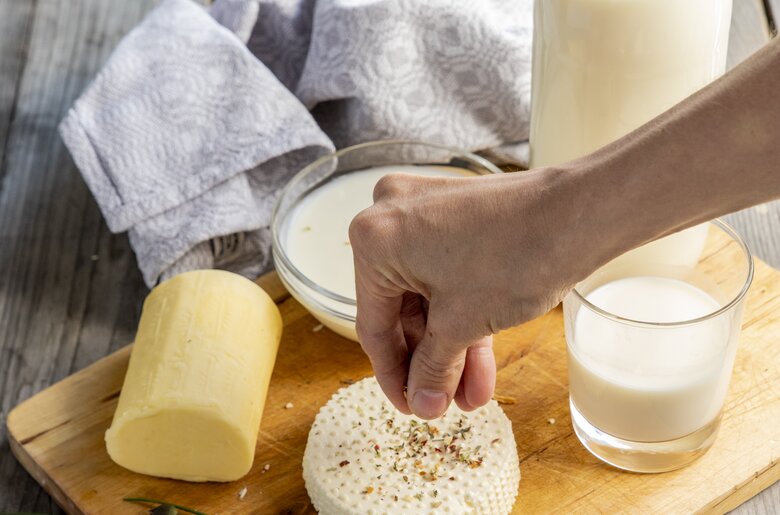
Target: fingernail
x: 428, y: 404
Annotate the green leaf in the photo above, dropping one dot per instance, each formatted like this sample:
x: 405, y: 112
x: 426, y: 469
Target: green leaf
x: 163, y: 504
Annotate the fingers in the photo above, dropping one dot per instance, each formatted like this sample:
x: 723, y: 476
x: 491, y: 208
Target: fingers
x: 391, y: 328
x: 381, y: 336
x: 460, y: 397
x: 408, y: 348
x: 479, y: 374
x: 414, y: 313
x: 390, y: 362
x: 434, y: 371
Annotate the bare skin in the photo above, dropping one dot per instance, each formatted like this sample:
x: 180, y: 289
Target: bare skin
x: 443, y: 263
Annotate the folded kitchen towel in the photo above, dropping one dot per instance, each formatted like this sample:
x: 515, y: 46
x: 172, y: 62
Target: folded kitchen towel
x: 183, y: 137
x: 200, y: 116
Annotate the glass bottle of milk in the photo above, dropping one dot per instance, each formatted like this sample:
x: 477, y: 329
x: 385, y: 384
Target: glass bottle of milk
x: 602, y: 68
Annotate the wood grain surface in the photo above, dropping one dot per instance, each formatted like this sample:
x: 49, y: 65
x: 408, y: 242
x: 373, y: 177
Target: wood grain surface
x: 70, y: 291
x: 58, y: 434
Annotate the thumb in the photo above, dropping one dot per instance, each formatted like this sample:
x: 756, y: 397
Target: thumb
x: 435, y: 369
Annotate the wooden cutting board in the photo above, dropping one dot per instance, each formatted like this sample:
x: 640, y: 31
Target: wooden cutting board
x: 58, y: 434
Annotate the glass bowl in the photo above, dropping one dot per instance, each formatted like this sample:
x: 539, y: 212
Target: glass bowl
x: 335, y: 310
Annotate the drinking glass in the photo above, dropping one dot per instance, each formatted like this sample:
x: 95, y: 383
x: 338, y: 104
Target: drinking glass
x: 651, y: 347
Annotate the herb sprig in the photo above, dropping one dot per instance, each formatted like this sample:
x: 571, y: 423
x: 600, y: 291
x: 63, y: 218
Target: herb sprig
x: 164, y: 507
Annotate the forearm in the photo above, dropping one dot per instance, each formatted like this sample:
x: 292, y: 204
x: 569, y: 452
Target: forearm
x: 487, y: 253
x: 715, y: 153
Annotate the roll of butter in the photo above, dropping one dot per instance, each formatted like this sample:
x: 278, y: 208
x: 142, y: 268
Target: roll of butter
x: 193, y: 396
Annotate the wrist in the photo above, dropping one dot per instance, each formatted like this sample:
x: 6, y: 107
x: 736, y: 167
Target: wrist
x: 599, y: 217
x: 560, y: 223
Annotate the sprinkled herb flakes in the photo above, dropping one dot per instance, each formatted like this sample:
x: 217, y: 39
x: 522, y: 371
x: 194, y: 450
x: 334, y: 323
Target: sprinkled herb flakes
x: 399, y: 459
x: 417, y: 441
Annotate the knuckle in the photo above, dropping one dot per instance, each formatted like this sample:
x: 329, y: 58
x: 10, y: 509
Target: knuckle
x: 374, y: 228
x: 363, y: 227
x: 375, y: 342
x: 378, y: 346
x: 390, y: 185
x: 436, y: 367
x: 367, y: 339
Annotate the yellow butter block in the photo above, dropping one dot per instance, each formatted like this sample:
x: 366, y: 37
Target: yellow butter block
x: 198, y: 376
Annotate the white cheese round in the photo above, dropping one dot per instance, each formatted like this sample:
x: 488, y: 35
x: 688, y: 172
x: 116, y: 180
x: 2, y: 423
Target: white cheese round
x: 364, y: 457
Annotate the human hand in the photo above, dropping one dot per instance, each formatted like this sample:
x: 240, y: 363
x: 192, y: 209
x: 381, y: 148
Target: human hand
x: 443, y: 263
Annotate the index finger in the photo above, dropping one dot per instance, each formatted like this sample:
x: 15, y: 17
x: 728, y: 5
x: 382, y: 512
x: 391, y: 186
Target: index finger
x: 381, y: 334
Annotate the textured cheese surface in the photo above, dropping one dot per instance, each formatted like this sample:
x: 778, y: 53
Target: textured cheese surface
x: 195, y: 387
x: 363, y: 457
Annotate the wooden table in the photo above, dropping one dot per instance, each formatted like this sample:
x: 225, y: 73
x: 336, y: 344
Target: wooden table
x: 70, y: 292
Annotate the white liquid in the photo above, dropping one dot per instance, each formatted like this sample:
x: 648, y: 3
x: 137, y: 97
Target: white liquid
x: 316, y: 235
x: 650, y: 384
x: 602, y: 68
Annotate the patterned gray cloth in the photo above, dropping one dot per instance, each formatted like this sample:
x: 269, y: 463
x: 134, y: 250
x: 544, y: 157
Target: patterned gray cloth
x: 200, y: 116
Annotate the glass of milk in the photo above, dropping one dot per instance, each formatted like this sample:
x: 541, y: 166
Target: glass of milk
x: 602, y: 68
x: 651, y: 347
x: 310, y: 226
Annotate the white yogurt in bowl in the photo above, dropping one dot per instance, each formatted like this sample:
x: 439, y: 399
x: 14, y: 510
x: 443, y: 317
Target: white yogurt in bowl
x: 311, y: 248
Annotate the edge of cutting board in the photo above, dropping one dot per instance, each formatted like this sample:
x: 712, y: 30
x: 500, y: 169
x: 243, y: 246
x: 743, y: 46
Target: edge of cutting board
x: 17, y: 444
x: 272, y: 285
x: 546, y: 453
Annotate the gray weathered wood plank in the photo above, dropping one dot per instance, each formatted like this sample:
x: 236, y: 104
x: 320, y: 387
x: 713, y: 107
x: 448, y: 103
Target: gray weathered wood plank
x: 59, y: 309
x: 760, y: 226
x: 14, y: 41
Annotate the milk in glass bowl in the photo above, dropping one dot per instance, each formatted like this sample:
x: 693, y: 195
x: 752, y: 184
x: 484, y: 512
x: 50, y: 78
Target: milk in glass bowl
x: 310, y: 226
